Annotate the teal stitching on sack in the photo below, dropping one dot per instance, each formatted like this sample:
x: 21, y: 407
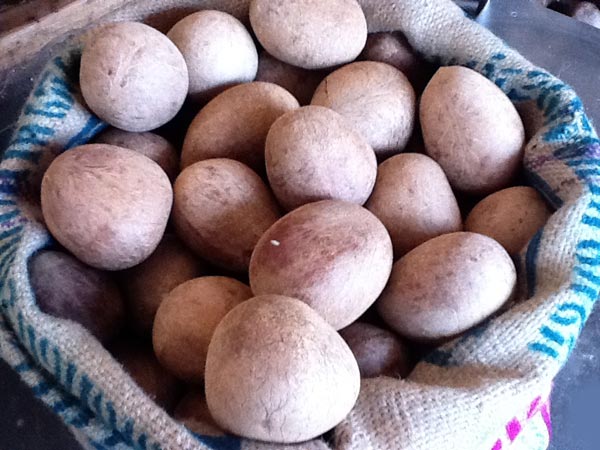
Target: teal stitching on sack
x: 443, y: 356
x: 91, y: 128
x: 537, y: 74
x: 500, y: 82
x: 543, y: 348
x: 32, y: 342
x: 575, y: 307
x: 510, y: 71
x: 591, y: 172
x: 59, y: 105
x: 9, y: 189
x: 552, y: 335
x: 44, y: 350
x: 562, y: 320
x: 23, y: 367
x: 66, y: 406
x: 82, y: 419
x: 84, y: 390
x: 489, y: 70
x: 112, y: 440
x: 61, y: 405
x: 21, y: 326
x: 97, y: 446
x: 54, y: 100
x: 112, y: 416
x: 57, y: 364
x: 142, y: 441
x: 97, y: 402
x: 44, y: 113
x: 63, y: 85
x: 587, y: 292
x: 552, y: 105
x: 58, y: 62
x: 9, y: 215
x: 70, y: 374
x: 587, y: 275
x: 62, y: 93
x: 40, y: 89
x: 5, y: 265
x: 516, y: 96
x: 6, y: 261
x: 586, y: 284
x: 26, y: 155
x: 31, y: 130
x: 12, y: 231
x: 127, y: 431
x: 12, y: 243
x: 591, y: 221
x: 12, y: 291
x: 77, y: 416
x: 85, y: 386
x: 31, y: 140
x: 41, y: 389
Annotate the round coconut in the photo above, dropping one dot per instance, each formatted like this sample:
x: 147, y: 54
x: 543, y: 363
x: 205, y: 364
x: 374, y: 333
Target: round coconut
x: 333, y: 255
x: 218, y: 50
x: 310, y: 33
x: 235, y: 124
x: 378, y: 352
x: 107, y: 205
x: 65, y: 287
x: 146, y: 285
x: 301, y: 83
x: 186, y: 320
x: 413, y: 199
x: 132, y: 76
x: 313, y: 154
x: 446, y: 286
x: 376, y: 99
x: 221, y: 209
x: 510, y: 216
x: 151, y: 145
x: 472, y: 130
x: 277, y: 372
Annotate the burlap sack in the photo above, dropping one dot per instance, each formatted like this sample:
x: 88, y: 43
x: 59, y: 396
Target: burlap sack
x: 486, y: 390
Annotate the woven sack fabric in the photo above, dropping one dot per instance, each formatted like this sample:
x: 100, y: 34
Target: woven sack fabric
x: 486, y: 390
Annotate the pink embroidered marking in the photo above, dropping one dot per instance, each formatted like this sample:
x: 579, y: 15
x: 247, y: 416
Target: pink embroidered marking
x: 540, y: 405
x: 546, y: 416
x: 513, y: 428
x: 534, y: 407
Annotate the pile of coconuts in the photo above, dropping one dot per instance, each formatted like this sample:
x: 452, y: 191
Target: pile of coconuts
x: 338, y: 207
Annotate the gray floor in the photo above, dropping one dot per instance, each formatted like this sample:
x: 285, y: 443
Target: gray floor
x: 25, y: 422
x: 574, y: 402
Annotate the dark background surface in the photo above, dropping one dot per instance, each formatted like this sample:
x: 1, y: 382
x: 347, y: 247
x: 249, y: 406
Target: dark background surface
x: 26, y: 424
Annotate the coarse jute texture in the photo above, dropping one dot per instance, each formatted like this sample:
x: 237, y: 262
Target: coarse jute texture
x: 485, y: 390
